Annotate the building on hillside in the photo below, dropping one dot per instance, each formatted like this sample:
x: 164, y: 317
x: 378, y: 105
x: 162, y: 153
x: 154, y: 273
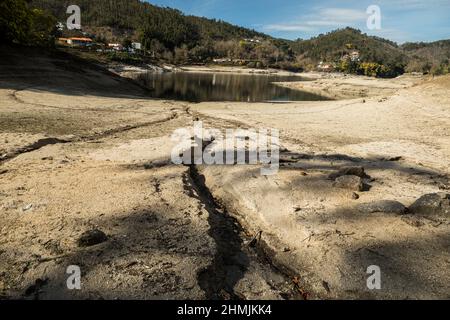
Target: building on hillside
x: 136, y: 45
x: 222, y: 60
x: 354, y: 56
x: 115, y: 46
x: 252, y: 40
x: 63, y: 40
x: 80, y: 42
x: 60, y: 26
x: 325, y: 67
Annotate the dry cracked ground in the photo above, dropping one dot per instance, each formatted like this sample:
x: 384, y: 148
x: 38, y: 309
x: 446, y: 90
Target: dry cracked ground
x: 86, y: 179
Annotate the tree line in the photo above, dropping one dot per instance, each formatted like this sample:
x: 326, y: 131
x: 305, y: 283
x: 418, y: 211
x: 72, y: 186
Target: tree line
x: 168, y: 35
x: 21, y: 24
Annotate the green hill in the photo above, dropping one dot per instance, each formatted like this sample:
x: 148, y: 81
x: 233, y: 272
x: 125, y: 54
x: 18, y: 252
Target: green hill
x: 428, y: 57
x: 377, y: 56
x: 135, y: 18
x: 331, y: 47
x: 169, y: 35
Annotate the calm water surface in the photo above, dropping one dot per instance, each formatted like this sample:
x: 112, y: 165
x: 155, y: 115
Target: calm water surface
x: 200, y: 87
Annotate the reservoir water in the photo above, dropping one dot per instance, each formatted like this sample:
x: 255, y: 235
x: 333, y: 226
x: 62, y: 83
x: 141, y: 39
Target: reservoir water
x: 200, y: 87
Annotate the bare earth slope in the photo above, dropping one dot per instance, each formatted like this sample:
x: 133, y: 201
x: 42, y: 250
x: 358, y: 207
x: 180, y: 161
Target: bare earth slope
x: 81, y: 149
x: 323, y: 232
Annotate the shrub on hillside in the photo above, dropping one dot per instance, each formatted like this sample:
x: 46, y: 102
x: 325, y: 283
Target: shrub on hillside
x: 22, y: 25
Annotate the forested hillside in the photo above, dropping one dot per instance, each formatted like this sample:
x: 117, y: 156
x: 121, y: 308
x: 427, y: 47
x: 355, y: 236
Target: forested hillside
x: 428, y: 57
x: 376, y: 56
x: 169, y: 26
x: 169, y: 35
x: 20, y: 24
x: 332, y: 46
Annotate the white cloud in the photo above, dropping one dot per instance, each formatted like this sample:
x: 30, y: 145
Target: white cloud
x: 340, y: 14
x: 288, y: 27
x: 322, y: 17
x: 415, y: 4
x: 402, y: 20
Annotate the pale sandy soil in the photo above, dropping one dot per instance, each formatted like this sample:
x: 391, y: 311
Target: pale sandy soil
x: 82, y: 150
x: 237, y: 70
x: 77, y: 157
x: 337, y: 86
x: 329, y: 240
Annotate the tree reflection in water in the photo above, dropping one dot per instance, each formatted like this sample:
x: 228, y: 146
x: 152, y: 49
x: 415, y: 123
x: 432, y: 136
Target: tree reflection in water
x: 199, y: 87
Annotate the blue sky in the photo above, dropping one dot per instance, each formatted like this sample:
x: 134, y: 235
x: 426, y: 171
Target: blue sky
x: 402, y: 20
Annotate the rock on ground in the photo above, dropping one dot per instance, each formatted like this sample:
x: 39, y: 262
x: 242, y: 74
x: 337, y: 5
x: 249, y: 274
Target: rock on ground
x: 432, y: 204
x: 350, y: 171
x: 384, y: 206
x: 354, y: 183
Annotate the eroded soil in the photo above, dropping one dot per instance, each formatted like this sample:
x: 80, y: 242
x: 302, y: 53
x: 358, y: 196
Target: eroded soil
x: 82, y: 149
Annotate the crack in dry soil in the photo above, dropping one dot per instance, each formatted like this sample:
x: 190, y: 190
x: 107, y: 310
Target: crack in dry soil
x: 234, y: 253
x: 230, y: 261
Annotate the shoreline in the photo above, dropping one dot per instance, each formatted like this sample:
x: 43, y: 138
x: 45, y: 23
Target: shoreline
x: 336, y: 86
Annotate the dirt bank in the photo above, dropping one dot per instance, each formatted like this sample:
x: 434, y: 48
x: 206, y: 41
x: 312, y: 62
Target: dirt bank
x: 333, y: 234
x: 82, y: 149
x: 236, y: 70
x: 77, y: 158
x: 340, y: 86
